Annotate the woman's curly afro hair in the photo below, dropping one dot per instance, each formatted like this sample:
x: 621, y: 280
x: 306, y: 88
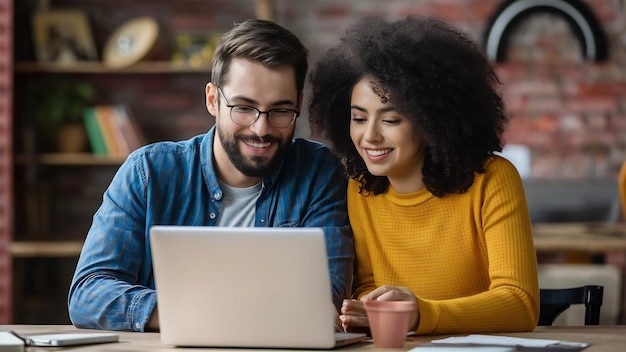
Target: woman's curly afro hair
x: 433, y: 74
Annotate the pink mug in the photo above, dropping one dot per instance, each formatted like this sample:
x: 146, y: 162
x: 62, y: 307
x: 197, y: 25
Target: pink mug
x: 389, y: 322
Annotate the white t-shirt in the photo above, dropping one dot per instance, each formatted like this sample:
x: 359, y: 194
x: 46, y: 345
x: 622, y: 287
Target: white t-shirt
x: 238, y: 205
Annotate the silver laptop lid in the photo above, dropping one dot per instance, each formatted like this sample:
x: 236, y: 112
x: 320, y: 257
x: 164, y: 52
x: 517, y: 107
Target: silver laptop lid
x: 243, y: 287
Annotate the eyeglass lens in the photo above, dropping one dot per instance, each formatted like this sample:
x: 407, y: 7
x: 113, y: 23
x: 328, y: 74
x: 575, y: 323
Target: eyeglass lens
x: 247, y: 115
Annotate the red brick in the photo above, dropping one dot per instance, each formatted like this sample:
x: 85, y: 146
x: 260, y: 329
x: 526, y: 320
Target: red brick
x: 333, y: 11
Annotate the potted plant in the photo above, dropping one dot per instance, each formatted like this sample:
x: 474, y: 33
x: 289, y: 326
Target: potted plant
x: 58, y: 114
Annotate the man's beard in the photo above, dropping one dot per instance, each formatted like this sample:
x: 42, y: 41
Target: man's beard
x: 251, y: 166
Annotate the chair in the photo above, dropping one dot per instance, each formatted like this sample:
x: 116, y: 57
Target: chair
x: 554, y: 301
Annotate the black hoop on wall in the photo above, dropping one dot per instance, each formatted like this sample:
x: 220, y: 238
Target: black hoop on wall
x: 585, y: 25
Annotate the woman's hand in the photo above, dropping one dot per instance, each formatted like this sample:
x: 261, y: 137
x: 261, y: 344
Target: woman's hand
x: 354, y: 316
x: 396, y: 293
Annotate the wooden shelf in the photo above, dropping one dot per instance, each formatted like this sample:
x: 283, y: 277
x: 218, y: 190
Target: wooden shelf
x: 69, y: 159
x: 34, y: 249
x: 148, y: 67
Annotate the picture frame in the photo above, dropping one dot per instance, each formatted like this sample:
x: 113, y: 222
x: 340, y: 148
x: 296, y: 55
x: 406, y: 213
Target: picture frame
x: 63, y: 36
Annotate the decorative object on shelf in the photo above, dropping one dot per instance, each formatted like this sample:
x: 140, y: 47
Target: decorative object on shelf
x: 131, y: 42
x: 63, y: 36
x: 59, y: 111
x: 71, y: 138
x: 578, y: 14
x: 194, y: 49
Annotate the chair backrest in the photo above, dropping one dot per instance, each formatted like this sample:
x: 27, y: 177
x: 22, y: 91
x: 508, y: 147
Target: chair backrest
x: 554, y: 301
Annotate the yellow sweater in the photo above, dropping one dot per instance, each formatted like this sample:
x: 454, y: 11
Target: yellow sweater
x: 469, y: 258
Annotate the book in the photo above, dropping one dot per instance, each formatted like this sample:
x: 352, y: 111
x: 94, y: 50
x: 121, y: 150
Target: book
x: 130, y: 130
x: 106, y: 127
x: 110, y: 115
x: 94, y: 134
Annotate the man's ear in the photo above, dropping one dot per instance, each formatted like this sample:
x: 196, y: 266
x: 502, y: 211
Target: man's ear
x: 212, y: 97
x: 300, y: 101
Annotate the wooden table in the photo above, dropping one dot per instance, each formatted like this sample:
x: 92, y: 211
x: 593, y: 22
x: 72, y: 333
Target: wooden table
x: 603, y: 338
x: 580, y: 237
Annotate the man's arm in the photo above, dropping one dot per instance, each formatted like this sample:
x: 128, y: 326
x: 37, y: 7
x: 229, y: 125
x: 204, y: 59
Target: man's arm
x: 328, y: 209
x: 111, y: 288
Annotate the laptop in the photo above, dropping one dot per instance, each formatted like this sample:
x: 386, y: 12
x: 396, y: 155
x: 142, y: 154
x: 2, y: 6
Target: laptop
x: 244, y: 287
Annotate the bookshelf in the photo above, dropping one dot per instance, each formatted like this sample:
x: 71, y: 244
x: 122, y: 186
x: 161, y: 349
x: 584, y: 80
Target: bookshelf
x: 36, y: 249
x: 68, y: 159
x: 55, y: 194
x: 153, y: 67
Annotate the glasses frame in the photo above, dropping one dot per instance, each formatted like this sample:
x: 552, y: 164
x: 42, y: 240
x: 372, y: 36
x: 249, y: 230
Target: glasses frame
x: 267, y: 113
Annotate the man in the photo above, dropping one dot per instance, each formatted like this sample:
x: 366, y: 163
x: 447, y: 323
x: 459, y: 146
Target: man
x: 246, y: 171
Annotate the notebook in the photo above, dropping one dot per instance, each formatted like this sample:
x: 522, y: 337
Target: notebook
x: 244, y: 287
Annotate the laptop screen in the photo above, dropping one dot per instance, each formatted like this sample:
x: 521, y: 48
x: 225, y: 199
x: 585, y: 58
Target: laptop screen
x: 243, y: 287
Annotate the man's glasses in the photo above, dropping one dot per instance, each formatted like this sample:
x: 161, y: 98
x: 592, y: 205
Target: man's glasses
x: 245, y: 115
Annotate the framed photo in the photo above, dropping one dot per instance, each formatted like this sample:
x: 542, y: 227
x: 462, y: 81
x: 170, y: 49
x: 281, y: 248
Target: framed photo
x: 63, y: 36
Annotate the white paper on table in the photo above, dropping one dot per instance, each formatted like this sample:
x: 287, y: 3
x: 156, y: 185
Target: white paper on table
x: 436, y: 348
x: 494, y: 340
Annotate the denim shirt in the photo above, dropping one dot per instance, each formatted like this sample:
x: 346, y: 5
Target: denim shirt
x: 175, y: 183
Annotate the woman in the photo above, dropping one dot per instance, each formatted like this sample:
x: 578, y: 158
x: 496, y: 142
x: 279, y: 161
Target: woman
x: 412, y: 108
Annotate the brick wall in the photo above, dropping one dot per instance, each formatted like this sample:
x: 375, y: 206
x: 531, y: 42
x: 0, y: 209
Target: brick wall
x: 570, y: 113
